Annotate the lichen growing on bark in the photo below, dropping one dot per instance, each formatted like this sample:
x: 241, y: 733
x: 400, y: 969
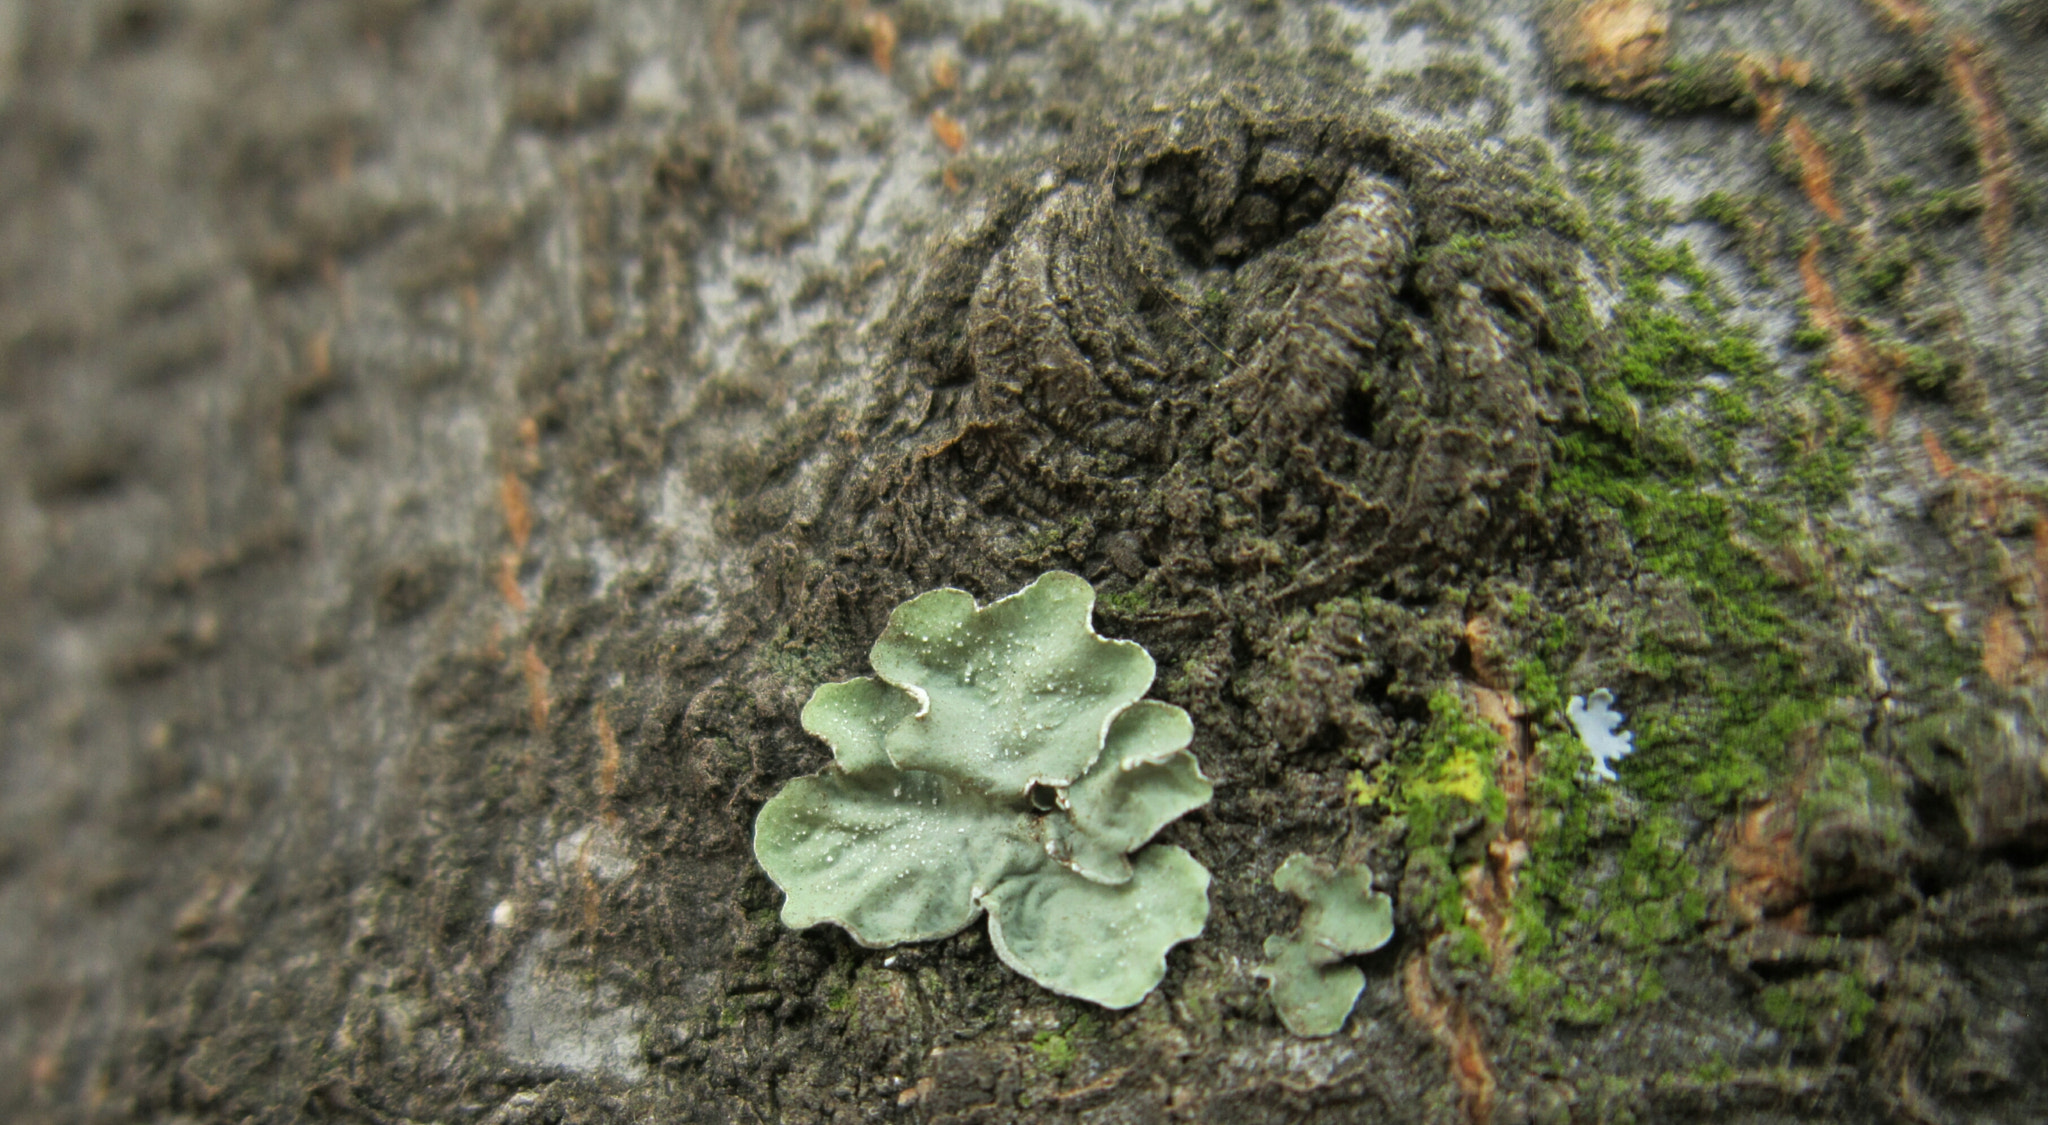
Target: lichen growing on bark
x: 1597, y: 723
x: 1306, y: 974
x: 1001, y: 761
x: 1383, y: 439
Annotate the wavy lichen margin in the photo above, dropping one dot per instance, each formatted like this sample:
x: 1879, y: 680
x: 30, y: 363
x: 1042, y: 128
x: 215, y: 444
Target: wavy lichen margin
x: 1312, y: 986
x: 1004, y: 761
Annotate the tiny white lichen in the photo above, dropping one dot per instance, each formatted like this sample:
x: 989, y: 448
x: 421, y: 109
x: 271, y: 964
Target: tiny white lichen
x: 1596, y: 723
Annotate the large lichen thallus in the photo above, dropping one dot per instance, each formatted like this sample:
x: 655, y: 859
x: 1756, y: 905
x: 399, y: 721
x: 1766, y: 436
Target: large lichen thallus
x: 1002, y: 759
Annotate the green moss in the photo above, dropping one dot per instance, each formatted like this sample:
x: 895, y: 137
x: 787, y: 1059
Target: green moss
x: 1053, y: 1052
x: 1650, y: 986
x: 1655, y: 899
x: 1588, y: 954
x: 1759, y: 223
x: 1467, y: 948
x: 1532, y: 984
x: 1819, y: 446
x: 1581, y: 1008
x: 1692, y: 86
x: 1714, y: 1071
x: 1927, y: 372
x: 1783, y: 1007
x: 1056, y: 1050
x: 1712, y: 462
x: 1693, y: 443
x: 1450, y: 772
x: 1041, y: 544
x: 1609, y: 989
x: 1521, y: 604
x: 1877, y: 279
x: 1832, y: 1006
x: 1445, y: 779
x: 1602, y: 165
x: 1939, y: 209
x: 1134, y: 602
x: 1695, y: 510
x: 1807, y: 337
x: 1720, y: 207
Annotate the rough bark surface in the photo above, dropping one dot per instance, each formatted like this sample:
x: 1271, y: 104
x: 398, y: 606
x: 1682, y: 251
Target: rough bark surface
x: 442, y: 445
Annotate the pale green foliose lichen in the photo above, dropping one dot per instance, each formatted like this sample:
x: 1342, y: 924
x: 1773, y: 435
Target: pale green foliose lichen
x: 1003, y: 760
x: 1312, y: 986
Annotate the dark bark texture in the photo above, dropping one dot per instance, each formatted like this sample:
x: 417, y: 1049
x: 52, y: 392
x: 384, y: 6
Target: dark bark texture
x: 444, y: 442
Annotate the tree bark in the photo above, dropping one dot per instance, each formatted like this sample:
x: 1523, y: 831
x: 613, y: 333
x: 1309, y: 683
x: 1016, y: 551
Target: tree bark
x: 443, y: 443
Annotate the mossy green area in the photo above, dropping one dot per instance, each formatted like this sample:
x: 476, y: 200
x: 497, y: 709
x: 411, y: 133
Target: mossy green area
x: 1718, y: 467
x: 1445, y: 783
x: 1705, y: 469
x: 1134, y: 602
x: 1830, y: 1005
x: 1694, y: 86
x: 1055, y: 1050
